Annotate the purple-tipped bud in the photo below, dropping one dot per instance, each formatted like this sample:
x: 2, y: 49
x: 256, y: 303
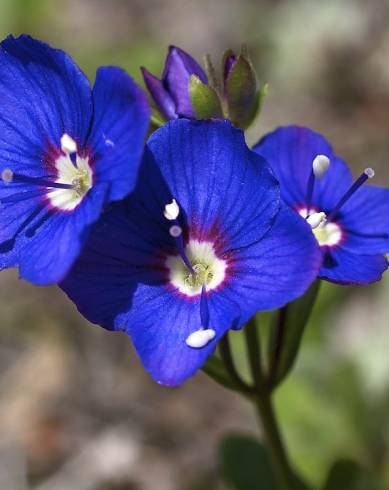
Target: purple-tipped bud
x: 171, y: 94
x: 229, y: 63
x: 161, y: 96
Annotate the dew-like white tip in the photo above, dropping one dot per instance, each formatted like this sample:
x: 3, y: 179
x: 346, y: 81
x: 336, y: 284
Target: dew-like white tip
x: 200, y: 338
x: 172, y: 210
x: 7, y: 175
x: 175, y: 231
x: 369, y: 172
x: 316, y: 219
x: 320, y: 165
x: 68, y: 145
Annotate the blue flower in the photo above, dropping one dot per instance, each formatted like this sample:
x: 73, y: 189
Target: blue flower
x: 171, y: 94
x: 350, y: 221
x: 201, y: 244
x: 66, y: 151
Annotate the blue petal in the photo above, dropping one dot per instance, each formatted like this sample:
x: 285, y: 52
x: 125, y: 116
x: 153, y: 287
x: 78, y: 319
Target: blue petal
x: 120, y: 121
x: 343, y: 267
x: 365, y: 219
x: 227, y: 195
x: 161, y: 344
x: 277, y: 269
x: 161, y: 96
x: 43, y: 95
x: 48, y: 247
x: 176, y: 77
x: 225, y: 189
x: 290, y: 152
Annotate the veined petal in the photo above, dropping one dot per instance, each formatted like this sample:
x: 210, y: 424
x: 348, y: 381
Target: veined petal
x: 50, y: 244
x: 120, y: 121
x: 61, y: 160
x: 290, y: 152
x: 224, y: 189
x: 43, y: 95
x: 344, y: 267
x: 277, y: 269
x: 227, y: 200
x: 365, y: 219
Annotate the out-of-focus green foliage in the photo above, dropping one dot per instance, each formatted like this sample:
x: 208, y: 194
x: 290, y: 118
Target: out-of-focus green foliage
x: 347, y: 474
x: 245, y: 463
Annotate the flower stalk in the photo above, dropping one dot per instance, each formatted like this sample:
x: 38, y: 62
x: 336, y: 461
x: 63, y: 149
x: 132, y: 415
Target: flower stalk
x: 282, y: 470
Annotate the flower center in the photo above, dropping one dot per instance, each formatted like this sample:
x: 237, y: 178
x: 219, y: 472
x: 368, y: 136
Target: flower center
x: 74, y: 171
x: 208, y: 270
x: 327, y: 234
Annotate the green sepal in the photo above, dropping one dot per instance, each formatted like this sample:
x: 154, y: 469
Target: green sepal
x: 157, y: 119
x: 241, y: 93
x: 286, y: 334
x: 204, y: 99
x: 346, y: 474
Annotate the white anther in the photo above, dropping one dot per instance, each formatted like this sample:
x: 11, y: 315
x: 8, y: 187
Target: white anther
x: 369, y: 172
x: 200, y: 338
x: 68, y: 145
x: 172, y: 210
x: 316, y: 219
x: 320, y: 165
x: 175, y: 231
x: 7, y: 175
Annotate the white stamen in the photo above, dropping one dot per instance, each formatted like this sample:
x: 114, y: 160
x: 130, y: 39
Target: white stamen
x: 200, y: 338
x: 7, y: 175
x: 316, y: 219
x: 175, y: 231
x: 320, y: 165
x: 68, y: 145
x: 172, y: 210
x: 369, y: 172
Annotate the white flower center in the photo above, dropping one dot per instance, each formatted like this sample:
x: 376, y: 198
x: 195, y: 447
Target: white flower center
x: 208, y: 269
x: 78, y: 175
x: 326, y: 233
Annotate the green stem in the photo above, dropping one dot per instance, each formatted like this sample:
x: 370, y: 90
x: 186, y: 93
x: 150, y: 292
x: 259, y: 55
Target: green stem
x: 279, y: 335
x: 226, y: 356
x: 255, y: 354
x: 281, y: 467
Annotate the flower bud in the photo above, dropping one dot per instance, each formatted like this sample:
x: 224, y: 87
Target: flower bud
x: 241, y: 93
x: 171, y: 94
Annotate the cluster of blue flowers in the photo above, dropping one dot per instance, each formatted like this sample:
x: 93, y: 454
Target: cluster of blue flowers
x: 179, y: 239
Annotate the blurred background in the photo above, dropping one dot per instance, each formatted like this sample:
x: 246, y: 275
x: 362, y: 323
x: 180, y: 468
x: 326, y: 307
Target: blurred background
x: 77, y: 411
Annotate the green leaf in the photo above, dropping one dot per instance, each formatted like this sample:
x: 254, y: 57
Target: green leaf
x: 287, y: 333
x: 241, y: 93
x: 347, y: 475
x: 245, y: 464
x: 204, y: 99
